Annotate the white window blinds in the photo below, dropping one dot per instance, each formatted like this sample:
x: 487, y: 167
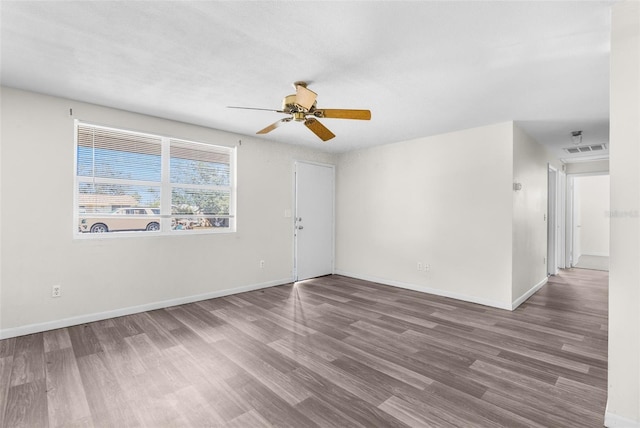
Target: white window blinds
x: 117, y: 170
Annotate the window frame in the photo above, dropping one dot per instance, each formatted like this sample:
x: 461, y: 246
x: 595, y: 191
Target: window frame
x: 165, y: 185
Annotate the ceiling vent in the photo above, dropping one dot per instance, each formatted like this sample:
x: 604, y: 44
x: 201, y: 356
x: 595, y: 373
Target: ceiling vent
x: 585, y: 149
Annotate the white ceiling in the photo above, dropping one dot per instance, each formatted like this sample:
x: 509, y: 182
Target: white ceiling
x: 422, y: 68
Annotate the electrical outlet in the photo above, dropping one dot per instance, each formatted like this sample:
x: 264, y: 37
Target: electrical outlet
x: 423, y: 267
x: 261, y: 264
x: 56, y: 291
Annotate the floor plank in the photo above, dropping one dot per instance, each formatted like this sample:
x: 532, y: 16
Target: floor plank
x: 27, y: 405
x: 67, y: 402
x: 28, y: 360
x: 6, y: 364
x: 107, y: 401
x: 333, y: 351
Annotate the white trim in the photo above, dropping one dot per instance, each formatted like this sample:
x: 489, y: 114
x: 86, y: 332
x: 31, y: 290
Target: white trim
x: 611, y: 420
x: 561, y: 219
x: 233, y: 195
x: 587, y: 158
x: 76, y: 213
x: 588, y: 174
x: 428, y: 290
x: 528, y: 294
x: 82, y: 319
x: 294, y: 222
x: 136, y: 234
x: 328, y: 165
x: 595, y: 254
x: 552, y: 220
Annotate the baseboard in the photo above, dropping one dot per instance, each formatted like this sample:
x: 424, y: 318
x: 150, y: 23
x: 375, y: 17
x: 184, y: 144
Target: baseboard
x: 528, y: 294
x: 423, y: 289
x: 595, y: 254
x: 611, y: 420
x: 82, y: 319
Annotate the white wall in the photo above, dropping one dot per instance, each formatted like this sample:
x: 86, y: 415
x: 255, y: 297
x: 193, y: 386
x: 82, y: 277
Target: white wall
x: 623, y: 406
x: 593, y: 194
x: 1, y: 217
x: 104, y: 275
x: 445, y: 201
x: 530, y: 168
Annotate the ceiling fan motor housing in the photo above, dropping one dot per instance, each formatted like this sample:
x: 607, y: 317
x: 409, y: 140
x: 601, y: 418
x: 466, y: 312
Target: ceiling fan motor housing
x: 299, y: 116
x: 289, y: 105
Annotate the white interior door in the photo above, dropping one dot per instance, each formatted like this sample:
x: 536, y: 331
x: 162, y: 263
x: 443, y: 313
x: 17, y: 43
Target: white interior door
x: 314, y: 219
x: 569, y: 223
x: 577, y: 224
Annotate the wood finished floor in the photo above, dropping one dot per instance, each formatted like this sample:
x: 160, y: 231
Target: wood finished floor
x: 333, y: 351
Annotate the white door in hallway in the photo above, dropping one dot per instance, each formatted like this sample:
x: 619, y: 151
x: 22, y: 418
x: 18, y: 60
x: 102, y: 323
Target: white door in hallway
x: 314, y: 220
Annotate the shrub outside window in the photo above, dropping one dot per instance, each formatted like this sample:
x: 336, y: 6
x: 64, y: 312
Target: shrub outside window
x: 133, y: 182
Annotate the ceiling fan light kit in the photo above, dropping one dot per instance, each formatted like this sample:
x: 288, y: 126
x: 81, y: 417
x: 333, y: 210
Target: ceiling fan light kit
x: 301, y: 107
x: 576, y: 137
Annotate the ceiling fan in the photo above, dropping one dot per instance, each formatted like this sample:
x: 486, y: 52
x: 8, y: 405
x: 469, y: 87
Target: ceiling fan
x: 301, y: 107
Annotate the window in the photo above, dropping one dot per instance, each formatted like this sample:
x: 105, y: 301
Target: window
x: 132, y: 182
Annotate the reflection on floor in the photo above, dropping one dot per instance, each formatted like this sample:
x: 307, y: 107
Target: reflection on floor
x: 593, y: 262
x: 328, y: 352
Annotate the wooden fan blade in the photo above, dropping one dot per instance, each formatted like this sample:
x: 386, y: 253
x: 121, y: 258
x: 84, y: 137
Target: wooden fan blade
x: 319, y: 129
x: 343, y: 114
x: 273, y: 126
x: 305, y: 97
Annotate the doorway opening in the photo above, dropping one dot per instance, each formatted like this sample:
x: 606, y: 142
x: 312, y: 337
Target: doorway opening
x: 588, y: 221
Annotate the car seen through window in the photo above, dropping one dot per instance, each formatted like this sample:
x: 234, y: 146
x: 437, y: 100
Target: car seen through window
x: 122, y: 219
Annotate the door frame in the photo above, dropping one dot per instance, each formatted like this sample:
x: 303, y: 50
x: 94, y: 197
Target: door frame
x: 552, y: 220
x: 296, y: 162
x: 561, y: 219
x: 569, y: 223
